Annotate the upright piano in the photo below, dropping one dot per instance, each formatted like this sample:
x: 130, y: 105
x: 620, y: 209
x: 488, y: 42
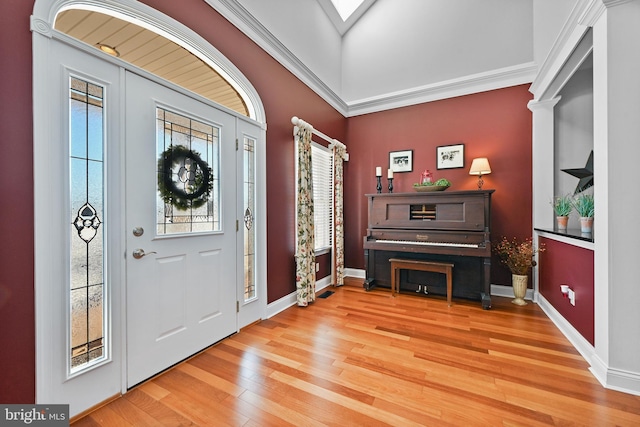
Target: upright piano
x: 451, y: 226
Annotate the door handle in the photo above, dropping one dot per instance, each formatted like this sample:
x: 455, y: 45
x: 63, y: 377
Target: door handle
x: 139, y: 253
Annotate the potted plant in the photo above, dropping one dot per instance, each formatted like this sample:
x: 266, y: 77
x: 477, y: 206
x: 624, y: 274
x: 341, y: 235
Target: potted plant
x: 562, y: 207
x: 584, y: 205
x: 518, y: 256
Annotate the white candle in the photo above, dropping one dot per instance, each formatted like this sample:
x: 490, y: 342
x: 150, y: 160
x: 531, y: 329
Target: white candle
x: 378, y: 171
x: 389, y: 174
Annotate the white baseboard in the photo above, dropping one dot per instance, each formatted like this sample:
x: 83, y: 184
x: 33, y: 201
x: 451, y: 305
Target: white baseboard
x: 507, y: 292
x: 291, y: 299
x: 617, y: 379
x: 614, y: 379
x: 583, y: 346
x: 355, y: 272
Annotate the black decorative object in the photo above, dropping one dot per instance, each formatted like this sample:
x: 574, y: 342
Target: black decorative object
x: 188, y: 187
x: 379, y: 186
x: 390, y: 185
x: 585, y: 175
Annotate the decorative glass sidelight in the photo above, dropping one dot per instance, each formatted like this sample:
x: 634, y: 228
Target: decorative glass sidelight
x: 249, y: 219
x: 87, y: 246
x: 188, y: 192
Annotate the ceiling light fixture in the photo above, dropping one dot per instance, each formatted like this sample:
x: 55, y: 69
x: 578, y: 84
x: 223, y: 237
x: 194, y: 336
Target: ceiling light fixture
x: 108, y: 49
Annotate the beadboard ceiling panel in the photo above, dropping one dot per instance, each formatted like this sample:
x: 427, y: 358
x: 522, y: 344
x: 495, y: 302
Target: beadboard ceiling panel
x: 151, y: 52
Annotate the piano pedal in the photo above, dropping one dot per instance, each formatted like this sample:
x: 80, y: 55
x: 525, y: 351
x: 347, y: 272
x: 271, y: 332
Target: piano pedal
x: 419, y: 289
x: 425, y: 290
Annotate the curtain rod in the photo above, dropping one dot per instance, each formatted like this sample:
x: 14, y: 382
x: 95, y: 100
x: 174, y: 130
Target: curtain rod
x: 301, y: 123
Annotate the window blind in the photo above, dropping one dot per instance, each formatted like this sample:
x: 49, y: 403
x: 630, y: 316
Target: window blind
x: 322, y: 172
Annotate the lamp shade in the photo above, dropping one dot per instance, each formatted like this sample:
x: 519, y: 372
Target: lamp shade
x: 480, y: 166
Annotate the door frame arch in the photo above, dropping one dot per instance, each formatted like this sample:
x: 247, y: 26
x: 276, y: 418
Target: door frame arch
x: 42, y: 26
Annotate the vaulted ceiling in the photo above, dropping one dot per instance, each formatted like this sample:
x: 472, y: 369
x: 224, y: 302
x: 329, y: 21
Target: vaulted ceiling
x: 386, y: 55
x: 397, y: 52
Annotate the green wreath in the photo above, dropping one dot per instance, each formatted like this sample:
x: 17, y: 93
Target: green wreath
x: 195, y: 178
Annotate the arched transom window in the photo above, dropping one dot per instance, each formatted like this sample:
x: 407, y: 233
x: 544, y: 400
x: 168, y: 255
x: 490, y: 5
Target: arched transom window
x: 151, y: 52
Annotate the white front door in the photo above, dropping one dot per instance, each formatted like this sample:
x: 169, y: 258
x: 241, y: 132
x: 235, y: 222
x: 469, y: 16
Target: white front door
x: 180, y: 245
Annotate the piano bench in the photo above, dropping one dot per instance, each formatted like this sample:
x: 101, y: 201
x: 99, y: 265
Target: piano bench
x: 398, y: 264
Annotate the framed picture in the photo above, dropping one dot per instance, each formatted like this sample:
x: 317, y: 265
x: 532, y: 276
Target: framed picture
x: 450, y: 156
x: 401, y: 161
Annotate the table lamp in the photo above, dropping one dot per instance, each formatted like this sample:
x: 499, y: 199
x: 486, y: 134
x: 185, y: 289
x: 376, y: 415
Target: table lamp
x: 480, y: 166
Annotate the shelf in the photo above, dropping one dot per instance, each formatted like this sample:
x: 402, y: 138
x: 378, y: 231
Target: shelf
x: 573, y: 233
x: 571, y: 236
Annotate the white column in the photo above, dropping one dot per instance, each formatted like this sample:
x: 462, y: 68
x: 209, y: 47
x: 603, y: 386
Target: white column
x: 542, y: 155
x: 616, y: 154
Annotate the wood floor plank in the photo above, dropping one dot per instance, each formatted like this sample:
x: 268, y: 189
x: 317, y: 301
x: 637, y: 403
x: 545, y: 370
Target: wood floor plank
x: 256, y: 416
x: 156, y: 408
x: 213, y: 380
x: 107, y: 416
x: 362, y: 358
x: 132, y: 413
x: 280, y: 411
x: 203, y: 413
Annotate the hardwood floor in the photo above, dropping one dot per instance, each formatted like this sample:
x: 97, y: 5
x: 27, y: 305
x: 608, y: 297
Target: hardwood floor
x: 362, y: 358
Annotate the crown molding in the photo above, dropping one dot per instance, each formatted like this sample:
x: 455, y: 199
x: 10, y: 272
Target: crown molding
x: 489, y: 80
x: 613, y: 3
x: 235, y: 13
x: 583, y: 16
x: 480, y: 82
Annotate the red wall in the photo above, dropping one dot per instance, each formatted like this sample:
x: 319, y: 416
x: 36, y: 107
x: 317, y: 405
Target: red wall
x: 17, y: 322
x: 564, y: 264
x: 494, y: 124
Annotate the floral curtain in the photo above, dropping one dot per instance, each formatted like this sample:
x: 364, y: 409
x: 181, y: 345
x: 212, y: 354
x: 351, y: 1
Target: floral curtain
x: 339, y: 154
x: 305, y: 251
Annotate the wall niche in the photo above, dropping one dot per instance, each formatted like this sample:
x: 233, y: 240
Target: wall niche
x: 573, y: 130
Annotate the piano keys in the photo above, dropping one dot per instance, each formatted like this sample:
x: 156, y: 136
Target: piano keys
x: 448, y: 226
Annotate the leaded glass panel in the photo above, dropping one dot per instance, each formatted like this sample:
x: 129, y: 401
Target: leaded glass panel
x: 188, y: 152
x: 86, y: 166
x: 249, y: 219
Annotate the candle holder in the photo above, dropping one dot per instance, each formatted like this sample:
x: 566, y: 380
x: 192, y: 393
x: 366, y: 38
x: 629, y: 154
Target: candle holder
x: 379, y: 186
x: 390, y: 185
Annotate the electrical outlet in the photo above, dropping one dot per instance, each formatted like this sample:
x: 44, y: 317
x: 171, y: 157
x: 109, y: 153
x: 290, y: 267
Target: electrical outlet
x: 317, y: 267
x: 572, y: 297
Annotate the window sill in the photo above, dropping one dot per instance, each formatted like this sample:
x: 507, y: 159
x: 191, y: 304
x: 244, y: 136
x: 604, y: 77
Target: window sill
x: 322, y: 251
